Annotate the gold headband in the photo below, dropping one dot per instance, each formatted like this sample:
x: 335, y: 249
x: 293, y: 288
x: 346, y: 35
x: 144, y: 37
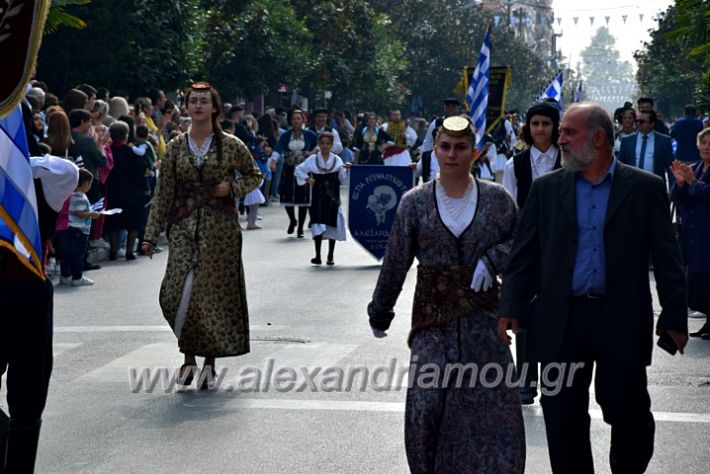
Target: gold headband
x: 203, y: 87
x: 457, y: 126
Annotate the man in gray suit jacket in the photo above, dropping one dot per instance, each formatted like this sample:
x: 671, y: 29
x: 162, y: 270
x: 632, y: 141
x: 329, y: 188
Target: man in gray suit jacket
x: 648, y: 149
x: 583, y: 246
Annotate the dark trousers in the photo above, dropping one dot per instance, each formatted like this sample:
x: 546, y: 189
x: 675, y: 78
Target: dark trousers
x: 26, y: 354
x: 526, y: 370
x: 73, y: 243
x: 620, y: 391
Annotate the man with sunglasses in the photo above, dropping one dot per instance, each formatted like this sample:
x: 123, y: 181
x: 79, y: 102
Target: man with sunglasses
x: 647, y: 149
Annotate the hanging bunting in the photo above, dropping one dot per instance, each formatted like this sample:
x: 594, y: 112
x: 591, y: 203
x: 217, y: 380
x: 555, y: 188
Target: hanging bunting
x: 607, y: 18
x: 559, y: 21
x: 591, y: 21
x: 624, y: 17
x: 575, y: 19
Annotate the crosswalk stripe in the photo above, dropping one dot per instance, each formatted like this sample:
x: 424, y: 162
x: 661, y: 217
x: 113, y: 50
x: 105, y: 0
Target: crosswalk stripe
x: 60, y: 347
x: 394, y: 407
x: 161, y: 328
x: 165, y: 355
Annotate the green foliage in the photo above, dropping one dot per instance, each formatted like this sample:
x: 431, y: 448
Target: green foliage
x: 601, y: 64
x: 251, y: 47
x: 57, y: 16
x: 666, y: 69
x: 441, y: 38
x: 140, y: 45
x: 370, y: 54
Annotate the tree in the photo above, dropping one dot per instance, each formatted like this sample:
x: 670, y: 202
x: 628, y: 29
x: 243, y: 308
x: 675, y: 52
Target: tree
x: 441, y: 37
x: 693, y: 32
x: 356, y: 56
x: 600, y: 61
x: 58, y: 17
x: 252, y: 47
x: 666, y: 70
x: 144, y: 45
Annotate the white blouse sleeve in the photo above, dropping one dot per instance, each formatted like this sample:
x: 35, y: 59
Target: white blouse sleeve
x: 302, y: 170
x: 342, y: 172
x: 411, y: 136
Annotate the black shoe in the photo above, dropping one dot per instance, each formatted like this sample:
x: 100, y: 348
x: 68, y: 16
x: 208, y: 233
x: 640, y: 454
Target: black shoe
x: 157, y: 249
x: 130, y: 256
x: 186, y: 374
x: 316, y: 261
x: 527, y: 397
x: 300, y: 233
x: 291, y: 227
x: 706, y: 336
x: 702, y: 332
x: 208, y: 377
x: 112, y: 256
x: 91, y: 266
x: 330, y: 261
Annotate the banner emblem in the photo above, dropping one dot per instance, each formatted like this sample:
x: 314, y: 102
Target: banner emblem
x: 375, y: 192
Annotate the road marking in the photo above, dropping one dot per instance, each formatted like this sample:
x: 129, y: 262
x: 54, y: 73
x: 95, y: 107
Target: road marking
x: 60, y: 347
x: 161, y: 328
x: 159, y: 354
x: 397, y: 407
x: 165, y: 355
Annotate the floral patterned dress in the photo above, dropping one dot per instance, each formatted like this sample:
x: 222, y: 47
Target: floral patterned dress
x: 204, y: 279
x: 475, y: 425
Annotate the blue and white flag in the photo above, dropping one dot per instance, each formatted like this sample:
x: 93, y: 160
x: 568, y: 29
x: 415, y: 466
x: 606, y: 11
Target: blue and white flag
x: 554, y: 90
x: 19, y: 222
x: 477, y: 95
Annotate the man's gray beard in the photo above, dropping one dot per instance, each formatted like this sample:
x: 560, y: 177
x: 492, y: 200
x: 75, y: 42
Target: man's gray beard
x: 576, y: 162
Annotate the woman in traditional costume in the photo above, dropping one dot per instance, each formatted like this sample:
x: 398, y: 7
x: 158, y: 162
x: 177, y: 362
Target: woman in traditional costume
x: 370, y: 142
x: 460, y: 230
x: 203, y: 293
x: 325, y: 172
x: 294, y: 147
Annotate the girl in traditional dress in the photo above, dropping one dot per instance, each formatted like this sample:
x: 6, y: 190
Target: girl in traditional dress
x: 370, y: 142
x: 460, y: 229
x: 203, y: 293
x: 325, y: 172
x: 294, y: 147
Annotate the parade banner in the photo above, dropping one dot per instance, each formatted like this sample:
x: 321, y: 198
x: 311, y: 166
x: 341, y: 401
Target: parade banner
x: 21, y: 25
x: 375, y: 192
x: 499, y: 81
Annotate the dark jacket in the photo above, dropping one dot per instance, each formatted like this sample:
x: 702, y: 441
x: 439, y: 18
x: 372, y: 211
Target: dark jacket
x: 637, y: 226
x: 685, y: 132
x: 694, y: 204
x: 662, y: 153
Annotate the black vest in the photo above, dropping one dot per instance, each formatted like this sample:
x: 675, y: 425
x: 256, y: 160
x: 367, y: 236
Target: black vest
x: 523, y: 174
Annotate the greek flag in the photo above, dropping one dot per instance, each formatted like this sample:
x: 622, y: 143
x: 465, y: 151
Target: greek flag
x: 554, y: 90
x: 477, y: 95
x: 19, y: 224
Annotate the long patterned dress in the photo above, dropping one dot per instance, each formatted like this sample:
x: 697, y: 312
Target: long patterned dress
x: 476, y: 427
x: 204, y: 270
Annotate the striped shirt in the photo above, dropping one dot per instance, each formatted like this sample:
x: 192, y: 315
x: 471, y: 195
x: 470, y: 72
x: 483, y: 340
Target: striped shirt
x: 79, y: 202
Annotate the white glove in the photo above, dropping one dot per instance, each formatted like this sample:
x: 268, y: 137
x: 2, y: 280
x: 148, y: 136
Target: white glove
x: 378, y: 333
x: 482, y: 278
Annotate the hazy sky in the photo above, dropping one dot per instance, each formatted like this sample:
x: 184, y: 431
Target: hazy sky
x: 629, y: 36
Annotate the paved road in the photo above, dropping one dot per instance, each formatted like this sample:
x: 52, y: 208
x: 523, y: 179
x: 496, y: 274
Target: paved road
x: 300, y: 316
